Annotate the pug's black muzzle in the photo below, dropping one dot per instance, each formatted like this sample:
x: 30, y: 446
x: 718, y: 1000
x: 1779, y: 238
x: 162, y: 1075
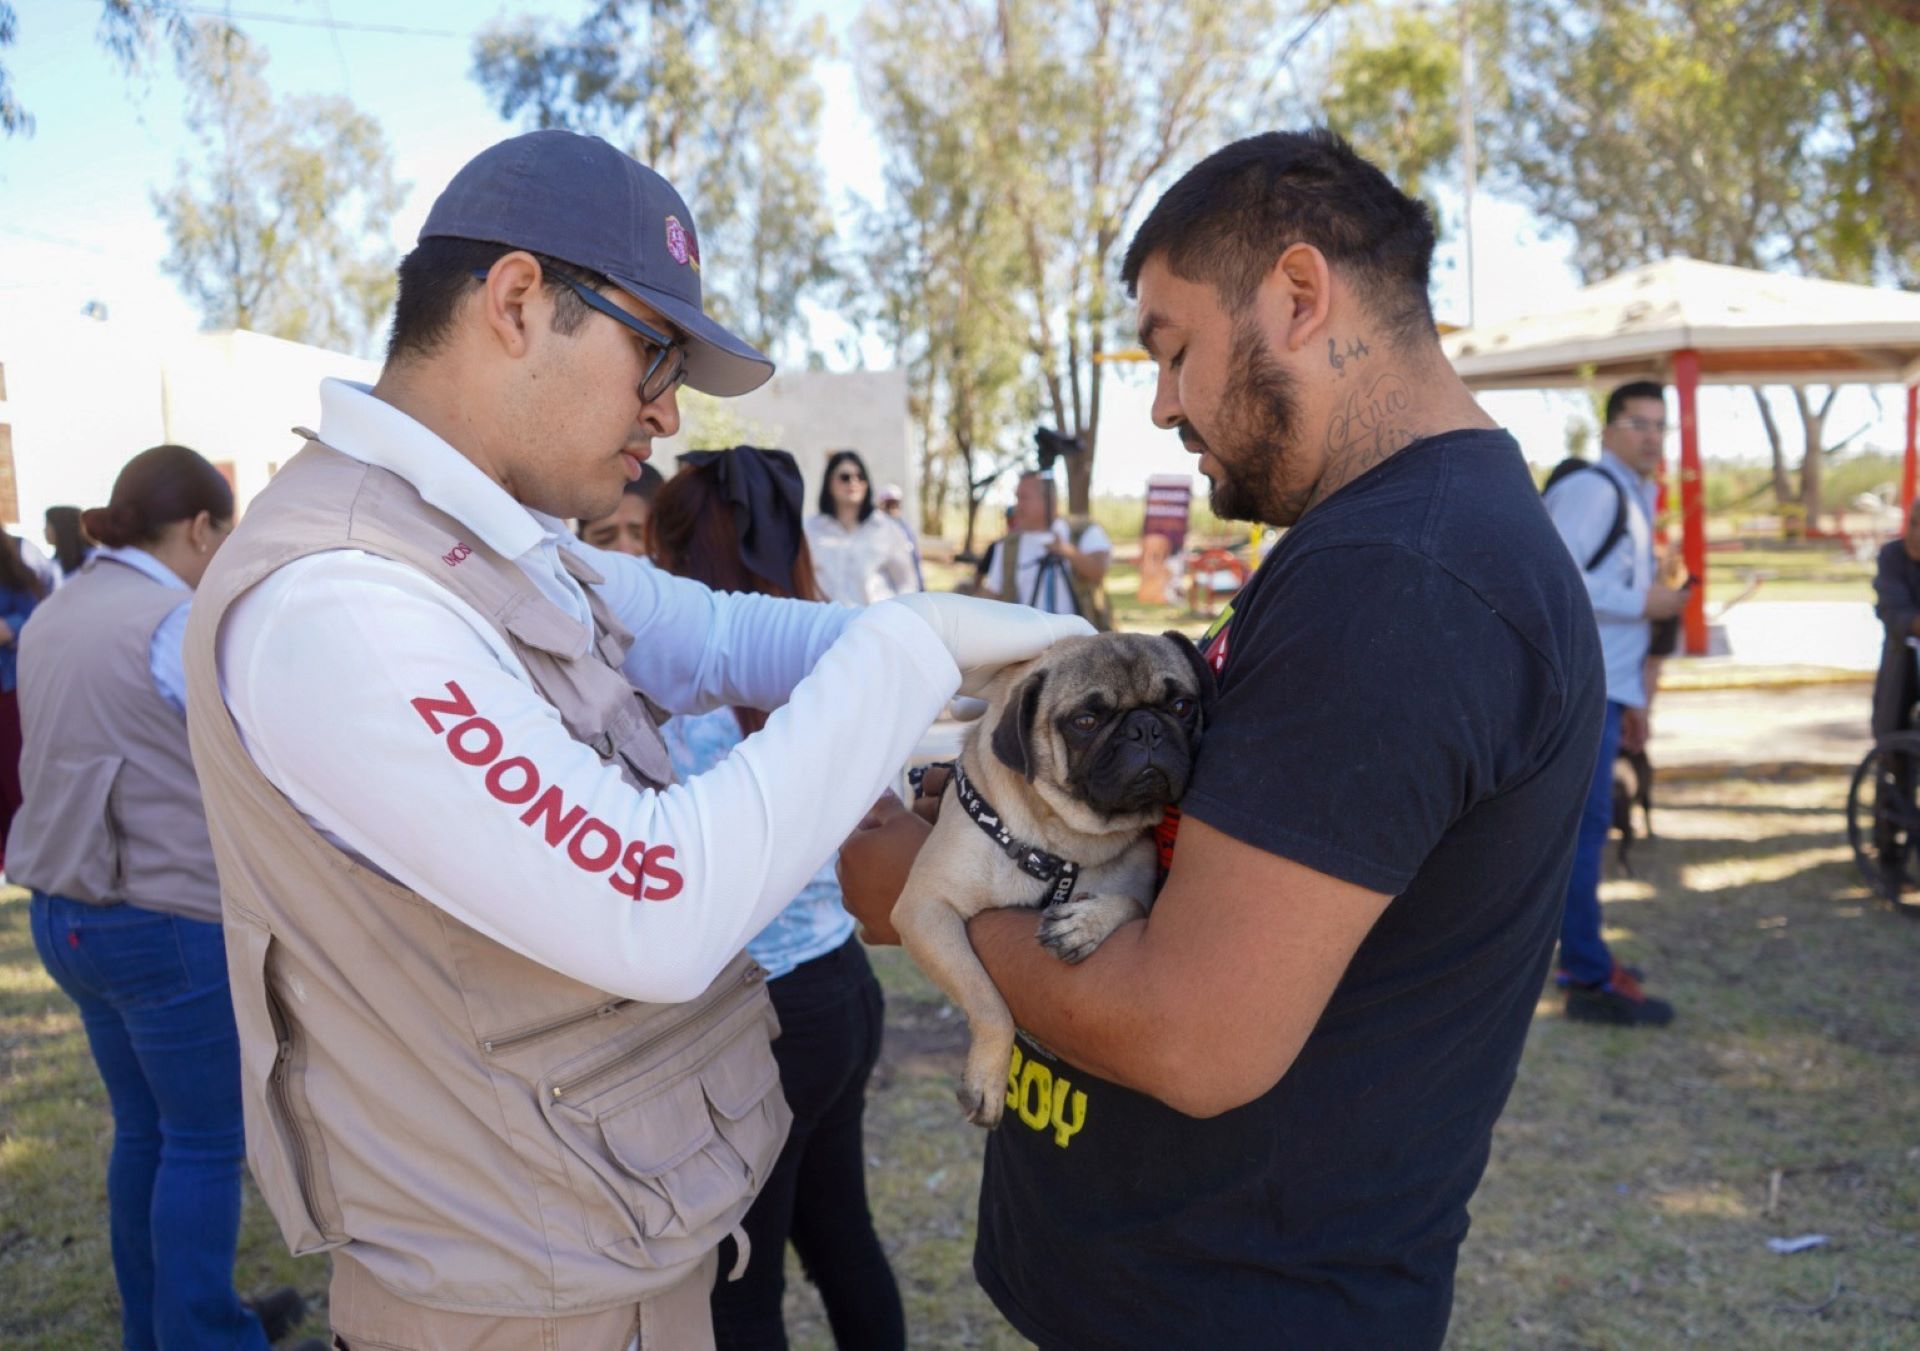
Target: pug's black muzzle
x: 1140, y: 764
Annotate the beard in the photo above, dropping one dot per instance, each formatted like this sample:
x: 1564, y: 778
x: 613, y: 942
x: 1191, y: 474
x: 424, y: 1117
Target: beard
x: 1259, y: 417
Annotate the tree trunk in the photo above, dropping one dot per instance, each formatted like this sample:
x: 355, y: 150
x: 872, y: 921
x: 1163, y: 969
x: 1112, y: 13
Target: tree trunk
x: 1813, y: 425
x: 1782, y: 487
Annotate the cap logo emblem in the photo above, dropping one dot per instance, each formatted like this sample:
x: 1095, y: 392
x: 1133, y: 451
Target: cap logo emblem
x: 680, y: 245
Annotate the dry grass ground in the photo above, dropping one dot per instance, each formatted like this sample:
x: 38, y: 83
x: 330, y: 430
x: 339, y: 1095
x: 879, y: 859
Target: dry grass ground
x: 1635, y: 1178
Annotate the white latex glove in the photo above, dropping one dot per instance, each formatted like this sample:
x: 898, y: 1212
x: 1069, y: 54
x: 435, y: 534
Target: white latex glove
x: 984, y: 635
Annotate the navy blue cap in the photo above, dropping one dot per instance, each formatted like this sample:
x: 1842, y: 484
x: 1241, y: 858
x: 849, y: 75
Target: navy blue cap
x: 578, y: 199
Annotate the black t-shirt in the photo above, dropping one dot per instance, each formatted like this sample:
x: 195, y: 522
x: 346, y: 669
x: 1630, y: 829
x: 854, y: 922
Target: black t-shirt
x: 1411, y: 701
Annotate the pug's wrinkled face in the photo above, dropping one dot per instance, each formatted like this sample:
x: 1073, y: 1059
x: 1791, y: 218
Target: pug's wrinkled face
x: 1105, y: 728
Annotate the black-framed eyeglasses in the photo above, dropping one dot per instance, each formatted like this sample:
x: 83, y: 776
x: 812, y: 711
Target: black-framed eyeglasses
x: 669, y: 364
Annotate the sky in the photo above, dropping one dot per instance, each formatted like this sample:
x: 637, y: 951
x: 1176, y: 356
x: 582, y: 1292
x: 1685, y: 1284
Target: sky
x: 77, y: 222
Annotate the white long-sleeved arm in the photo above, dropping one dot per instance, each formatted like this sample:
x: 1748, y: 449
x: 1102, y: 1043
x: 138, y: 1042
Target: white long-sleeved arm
x: 725, y: 647
x: 1582, y: 507
x: 401, y: 726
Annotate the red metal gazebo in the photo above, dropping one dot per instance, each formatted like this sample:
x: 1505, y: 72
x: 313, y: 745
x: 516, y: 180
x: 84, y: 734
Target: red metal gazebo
x: 1689, y: 323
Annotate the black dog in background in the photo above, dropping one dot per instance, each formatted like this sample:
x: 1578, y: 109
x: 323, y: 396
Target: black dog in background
x: 1632, y: 786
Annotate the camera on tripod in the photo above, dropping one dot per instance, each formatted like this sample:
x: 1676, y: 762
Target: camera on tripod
x: 1050, y: 445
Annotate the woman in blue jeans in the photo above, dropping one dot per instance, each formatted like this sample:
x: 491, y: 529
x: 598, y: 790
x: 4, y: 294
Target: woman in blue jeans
x: 111, y: 840
x: 731, y: 519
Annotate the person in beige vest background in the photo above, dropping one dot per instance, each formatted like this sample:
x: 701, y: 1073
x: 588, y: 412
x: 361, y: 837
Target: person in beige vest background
x: 111, y: 840
x: 502, y: 1055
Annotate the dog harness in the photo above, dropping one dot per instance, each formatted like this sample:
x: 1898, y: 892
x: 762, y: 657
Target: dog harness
x: 1060, y: 874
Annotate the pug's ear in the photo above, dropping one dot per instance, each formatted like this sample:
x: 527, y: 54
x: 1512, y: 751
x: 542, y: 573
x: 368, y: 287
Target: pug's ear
x: 1013, y: 735
x: 1202, y: 673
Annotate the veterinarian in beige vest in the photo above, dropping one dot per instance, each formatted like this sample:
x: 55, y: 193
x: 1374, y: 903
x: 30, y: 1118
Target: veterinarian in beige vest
x: 501, y: 1054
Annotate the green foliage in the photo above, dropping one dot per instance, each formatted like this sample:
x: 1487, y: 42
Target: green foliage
x: 942, y: 266
x: 281, y: 228
x: 720, y: 98
x: 1748, y: 132
x: 130, y: 30
x: 1726, y: 130
x: 1074, y: 110
x: 1392, y: 87
x: 14, y: 119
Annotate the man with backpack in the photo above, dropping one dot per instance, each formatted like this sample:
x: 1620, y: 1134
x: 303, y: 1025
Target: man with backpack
x: 1604, y: 512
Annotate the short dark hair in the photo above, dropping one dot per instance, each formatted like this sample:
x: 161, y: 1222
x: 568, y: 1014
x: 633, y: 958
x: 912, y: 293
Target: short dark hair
x: 1231, y: 216
x: 438, y: 274
x: 1633, y: 389
x: 834, y: 461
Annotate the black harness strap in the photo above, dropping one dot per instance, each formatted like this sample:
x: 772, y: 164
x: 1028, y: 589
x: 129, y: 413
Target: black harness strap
x: 1060, y: 874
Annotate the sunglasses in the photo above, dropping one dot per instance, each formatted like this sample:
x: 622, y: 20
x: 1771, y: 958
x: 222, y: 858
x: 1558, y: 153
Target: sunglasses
x: 668, y: 366
x: 849, y: 477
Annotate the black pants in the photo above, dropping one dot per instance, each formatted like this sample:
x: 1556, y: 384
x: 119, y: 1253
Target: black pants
x: 830, y: 1017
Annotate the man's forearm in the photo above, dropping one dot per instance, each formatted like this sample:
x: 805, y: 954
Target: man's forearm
x: 1099, y: 1014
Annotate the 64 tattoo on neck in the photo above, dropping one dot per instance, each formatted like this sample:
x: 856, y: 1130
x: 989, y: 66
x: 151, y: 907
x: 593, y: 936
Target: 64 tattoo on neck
x: 1356, y: 349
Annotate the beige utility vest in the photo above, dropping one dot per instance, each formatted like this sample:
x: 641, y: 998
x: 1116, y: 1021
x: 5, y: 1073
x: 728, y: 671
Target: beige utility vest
x: 110, y: 809
x: 484, y: 1134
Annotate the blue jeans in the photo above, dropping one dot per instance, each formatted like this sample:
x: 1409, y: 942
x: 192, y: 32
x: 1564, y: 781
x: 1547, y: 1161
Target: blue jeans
x: 152, y: 991
x: 1582, y: 951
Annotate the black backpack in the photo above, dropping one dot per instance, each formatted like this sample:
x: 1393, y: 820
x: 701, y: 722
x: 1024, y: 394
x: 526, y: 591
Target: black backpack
x: 1566, y: 469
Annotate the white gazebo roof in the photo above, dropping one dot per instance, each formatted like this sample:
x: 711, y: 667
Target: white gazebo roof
x: 1748, y: 327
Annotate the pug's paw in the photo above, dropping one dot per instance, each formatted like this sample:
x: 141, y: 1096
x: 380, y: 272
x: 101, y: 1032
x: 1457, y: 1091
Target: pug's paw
x: 982, y: 1109
x: 1072, y: 930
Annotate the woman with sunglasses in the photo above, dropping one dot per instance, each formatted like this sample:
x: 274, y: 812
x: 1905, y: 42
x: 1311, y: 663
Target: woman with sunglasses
x: 859, y: 555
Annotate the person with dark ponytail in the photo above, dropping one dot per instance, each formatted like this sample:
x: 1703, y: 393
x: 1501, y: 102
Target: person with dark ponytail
x: 68, y: 540
x: 731, y: 519
x: 21, y: 588
x: 112, y: 841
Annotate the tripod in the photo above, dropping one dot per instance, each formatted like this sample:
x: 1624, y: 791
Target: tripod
x: 1051, y: 579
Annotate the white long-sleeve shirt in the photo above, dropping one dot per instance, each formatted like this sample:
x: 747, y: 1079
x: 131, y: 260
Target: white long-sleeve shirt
x: 327, y: 664
x: 869, y: 563
x: 1583, y: 506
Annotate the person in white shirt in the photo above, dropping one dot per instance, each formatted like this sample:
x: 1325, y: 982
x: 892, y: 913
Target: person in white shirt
x: 893, y: 504
x: 1605, y: 515
x: 859, y: 555
x: 542, y: 328
x: 1055, y: 568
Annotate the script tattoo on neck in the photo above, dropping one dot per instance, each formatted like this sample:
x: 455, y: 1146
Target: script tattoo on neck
x: 1356, y: 349
x: 1368, y: 427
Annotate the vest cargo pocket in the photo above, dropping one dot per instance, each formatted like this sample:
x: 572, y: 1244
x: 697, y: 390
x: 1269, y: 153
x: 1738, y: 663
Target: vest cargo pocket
x: 283, y: 1156
x: 75, y: 845
x: 669, y: 1150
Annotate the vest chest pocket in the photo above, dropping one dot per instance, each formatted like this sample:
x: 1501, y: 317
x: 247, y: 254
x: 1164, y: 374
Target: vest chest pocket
x: 668, y: 1144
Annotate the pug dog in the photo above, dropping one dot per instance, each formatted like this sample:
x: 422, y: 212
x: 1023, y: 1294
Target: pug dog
x: 1078, y: 756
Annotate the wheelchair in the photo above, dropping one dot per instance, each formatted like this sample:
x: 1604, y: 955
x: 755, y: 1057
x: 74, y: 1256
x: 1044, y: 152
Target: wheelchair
x: 1883, y: 815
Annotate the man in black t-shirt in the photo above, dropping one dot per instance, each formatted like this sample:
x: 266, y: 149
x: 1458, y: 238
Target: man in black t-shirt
x: 1255, y: 1119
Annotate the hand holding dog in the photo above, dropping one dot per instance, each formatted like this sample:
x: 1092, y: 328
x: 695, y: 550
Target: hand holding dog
x: 873, y: 866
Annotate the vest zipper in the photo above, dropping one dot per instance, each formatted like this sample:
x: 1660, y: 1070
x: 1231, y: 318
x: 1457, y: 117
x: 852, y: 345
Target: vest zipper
x: 606, y: 1010
x: 753, y: 975
x: 302, y: 1161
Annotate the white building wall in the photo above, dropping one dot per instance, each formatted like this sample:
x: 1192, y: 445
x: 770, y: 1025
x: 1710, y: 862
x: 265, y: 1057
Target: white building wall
x: 85, y: 395
x: 812, y: 414
x: 237, y: 396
